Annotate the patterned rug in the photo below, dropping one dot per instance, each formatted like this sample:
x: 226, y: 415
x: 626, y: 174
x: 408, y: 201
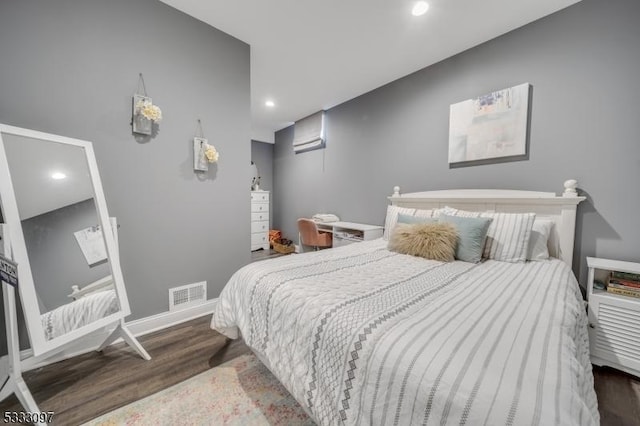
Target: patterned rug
x: 240, y: 392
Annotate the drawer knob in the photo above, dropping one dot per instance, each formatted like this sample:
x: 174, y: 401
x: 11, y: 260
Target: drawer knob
x: 591, y: 325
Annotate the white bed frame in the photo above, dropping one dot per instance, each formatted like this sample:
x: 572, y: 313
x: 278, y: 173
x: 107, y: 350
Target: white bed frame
x: 102, y: 284
x: 560, y: 209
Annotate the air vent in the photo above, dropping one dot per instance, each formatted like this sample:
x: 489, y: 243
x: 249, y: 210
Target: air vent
x: 187, y: 295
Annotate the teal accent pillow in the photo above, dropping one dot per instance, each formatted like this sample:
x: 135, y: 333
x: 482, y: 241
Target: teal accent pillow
x: 472, y: 232
x: 405, y: 218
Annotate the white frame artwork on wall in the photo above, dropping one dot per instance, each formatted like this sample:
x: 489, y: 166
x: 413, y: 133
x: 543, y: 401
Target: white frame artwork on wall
x: 491, y: 128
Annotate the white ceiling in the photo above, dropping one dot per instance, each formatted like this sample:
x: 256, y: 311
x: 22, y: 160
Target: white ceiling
x: 31, y: 164
x: 313, y: 55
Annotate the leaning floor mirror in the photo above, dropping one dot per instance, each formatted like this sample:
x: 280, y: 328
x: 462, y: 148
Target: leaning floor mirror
x: 53, y: 204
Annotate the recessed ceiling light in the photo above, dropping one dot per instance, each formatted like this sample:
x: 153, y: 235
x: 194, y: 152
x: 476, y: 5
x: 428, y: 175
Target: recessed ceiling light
x: 270, y: 104
x: 58, y: 176
x: 420, y: 8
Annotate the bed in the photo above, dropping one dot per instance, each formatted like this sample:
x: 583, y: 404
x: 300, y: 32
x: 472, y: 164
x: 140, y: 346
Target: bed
x: 91, y: 303
x: 363, y: 335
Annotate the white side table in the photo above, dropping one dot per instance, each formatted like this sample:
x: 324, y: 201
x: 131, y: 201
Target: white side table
x: 614, y: 320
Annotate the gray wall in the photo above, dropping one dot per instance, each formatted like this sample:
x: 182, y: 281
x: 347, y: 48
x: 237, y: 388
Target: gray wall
x: 583, y: 65
x: 70, y: 67
x: 55, y: 257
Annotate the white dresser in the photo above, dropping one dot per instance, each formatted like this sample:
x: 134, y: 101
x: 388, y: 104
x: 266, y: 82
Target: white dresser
x: 259, y: 220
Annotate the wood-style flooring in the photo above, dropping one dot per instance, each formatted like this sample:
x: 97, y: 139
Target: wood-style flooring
x: 265, y: 254
x: 84, y: 387
x: 87, y: 386
x: 618, y: 397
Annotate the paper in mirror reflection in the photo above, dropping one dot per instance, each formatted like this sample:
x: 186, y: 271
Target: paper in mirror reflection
x: 71, y: 272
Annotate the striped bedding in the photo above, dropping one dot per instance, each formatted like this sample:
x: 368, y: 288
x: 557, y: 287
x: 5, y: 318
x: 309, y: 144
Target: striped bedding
x: 79, y: 313
x: 363, y: 336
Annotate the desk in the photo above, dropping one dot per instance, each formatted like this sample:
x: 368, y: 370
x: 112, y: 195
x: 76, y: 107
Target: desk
x: 349, y: 232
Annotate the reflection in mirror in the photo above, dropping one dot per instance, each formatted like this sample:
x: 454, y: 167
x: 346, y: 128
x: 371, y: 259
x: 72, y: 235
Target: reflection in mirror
x: 65, y: 245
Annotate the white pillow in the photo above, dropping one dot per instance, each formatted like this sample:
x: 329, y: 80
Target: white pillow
x: 538, y: 242
x: 392, y: 217
x: 450, y: 211
x: 423, y: 213
x: 508, y: 236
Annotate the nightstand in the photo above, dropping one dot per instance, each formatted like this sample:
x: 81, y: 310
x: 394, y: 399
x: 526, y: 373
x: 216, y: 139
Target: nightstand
x: 614, y: 319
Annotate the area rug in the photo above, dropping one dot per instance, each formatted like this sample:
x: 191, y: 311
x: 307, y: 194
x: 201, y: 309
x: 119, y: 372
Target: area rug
x: 239, y: 392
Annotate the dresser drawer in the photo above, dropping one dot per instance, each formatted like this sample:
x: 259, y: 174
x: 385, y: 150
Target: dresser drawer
x: 259, y: 239
x: 262, y: 226
x: 259, y: 207
x: 260, y: 220
x: 259, y: 196
x: 256, y: 217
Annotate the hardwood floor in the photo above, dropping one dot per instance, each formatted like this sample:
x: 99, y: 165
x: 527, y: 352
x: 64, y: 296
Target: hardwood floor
x: 87, y: 386
x: 618, y: 397
x: 82, y: 388
x: 265, y: 254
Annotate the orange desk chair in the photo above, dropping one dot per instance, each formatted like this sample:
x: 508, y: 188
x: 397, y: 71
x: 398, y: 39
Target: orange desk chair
x: 311, y: 236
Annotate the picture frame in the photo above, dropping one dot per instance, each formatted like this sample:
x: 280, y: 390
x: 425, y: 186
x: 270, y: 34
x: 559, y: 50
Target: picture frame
x: 491, y: 128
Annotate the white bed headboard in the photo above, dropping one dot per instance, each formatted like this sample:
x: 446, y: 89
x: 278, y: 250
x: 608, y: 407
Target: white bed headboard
x: 560, y: 209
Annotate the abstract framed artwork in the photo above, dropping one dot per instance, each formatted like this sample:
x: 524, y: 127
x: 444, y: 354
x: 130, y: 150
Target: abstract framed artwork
x: 491, y: 128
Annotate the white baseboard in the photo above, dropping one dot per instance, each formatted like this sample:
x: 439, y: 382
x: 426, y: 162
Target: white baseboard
x: 138, y: 328
x: 163, y: 320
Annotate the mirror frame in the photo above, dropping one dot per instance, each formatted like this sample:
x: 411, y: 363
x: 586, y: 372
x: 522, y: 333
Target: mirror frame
x: 39, y: 344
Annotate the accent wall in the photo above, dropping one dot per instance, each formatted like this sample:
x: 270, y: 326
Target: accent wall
x: 582, y: 64
x: 70, y: 67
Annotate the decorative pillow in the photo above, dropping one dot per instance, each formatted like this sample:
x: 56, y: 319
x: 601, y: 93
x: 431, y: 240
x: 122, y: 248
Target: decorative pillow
x: 423, y: 213
x: 450, y: 211
x: 508, y: 236
x: 405, y: 218
x: 472, y: 232
x: 392, y: 217
x: 435, y: 241
x: 538, y: 242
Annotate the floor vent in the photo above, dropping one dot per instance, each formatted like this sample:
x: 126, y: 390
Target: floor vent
x: 187, y: 295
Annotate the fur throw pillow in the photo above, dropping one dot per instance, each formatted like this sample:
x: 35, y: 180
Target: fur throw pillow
x: 435, y: 241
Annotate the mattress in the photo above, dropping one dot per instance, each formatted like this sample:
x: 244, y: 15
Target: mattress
x: 360, y: 335
x: 78, y: 313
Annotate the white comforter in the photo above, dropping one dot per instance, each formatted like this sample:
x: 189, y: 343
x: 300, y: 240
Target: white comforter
x: 361, y: 335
